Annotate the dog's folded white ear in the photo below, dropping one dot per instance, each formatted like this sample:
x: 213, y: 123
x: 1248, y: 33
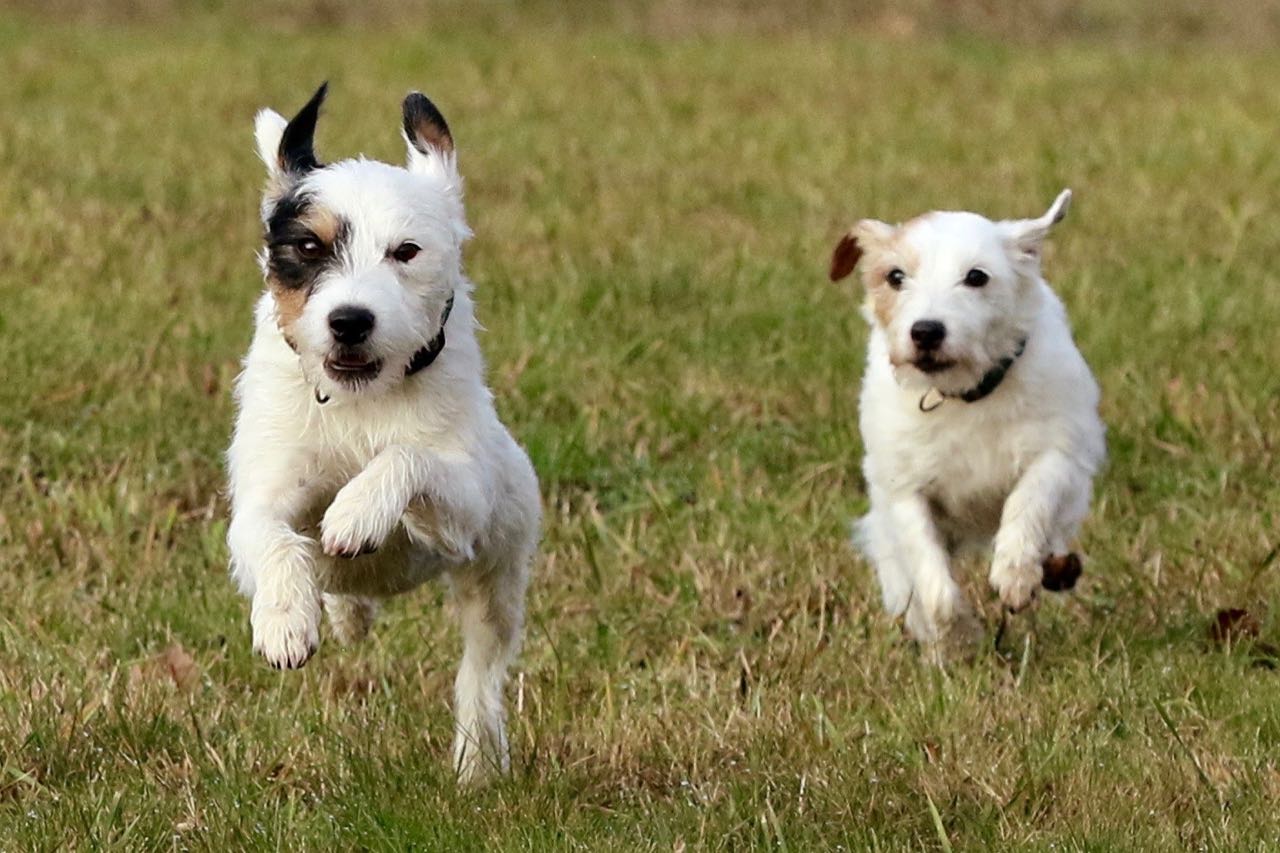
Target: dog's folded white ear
x: 428, y: 138
x: 853, y: 245
x: 1028, y: 234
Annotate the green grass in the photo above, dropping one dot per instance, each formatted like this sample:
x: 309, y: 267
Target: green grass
x: 706, y: 665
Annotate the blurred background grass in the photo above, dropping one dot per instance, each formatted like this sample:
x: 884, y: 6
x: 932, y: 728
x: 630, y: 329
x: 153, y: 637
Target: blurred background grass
x: 655, y: 189
x: 1235, y: 23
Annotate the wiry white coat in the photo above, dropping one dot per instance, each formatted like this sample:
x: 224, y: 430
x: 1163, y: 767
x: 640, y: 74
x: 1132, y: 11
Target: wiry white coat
x: 419, y: 468
x: 1013, y: 470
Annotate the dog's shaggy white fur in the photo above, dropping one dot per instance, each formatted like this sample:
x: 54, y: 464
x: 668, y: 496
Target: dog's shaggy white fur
x: 357, y: 472
x: 978, y: 413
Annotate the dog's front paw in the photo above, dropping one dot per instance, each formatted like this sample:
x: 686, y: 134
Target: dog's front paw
x: 355, y: 523
x: 286, y: 637
x: 1016, y: 585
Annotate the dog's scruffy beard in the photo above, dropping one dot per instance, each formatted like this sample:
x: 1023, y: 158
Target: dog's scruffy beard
x: 949, y: 372
x: 352, y: 367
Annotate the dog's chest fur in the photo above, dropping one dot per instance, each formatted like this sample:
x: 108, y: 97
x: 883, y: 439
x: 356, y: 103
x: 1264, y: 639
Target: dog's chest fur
x: 329, y: 444
x: 966, y: 461
x: 966, y: 458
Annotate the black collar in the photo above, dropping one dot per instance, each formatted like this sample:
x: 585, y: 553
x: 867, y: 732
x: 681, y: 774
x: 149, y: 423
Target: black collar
x: 989, y: 382
x: 423, y: 357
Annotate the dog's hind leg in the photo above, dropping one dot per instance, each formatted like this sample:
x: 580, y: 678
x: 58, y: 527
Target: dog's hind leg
x: 350, y: 616
x: 490, y: 608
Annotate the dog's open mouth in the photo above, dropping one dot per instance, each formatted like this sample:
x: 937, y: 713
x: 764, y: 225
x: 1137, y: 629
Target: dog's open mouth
x: 352, y: 368
x: 932, y: 364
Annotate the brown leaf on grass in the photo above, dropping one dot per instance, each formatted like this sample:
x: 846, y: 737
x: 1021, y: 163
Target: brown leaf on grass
x: 1233, y: 624
x: 210, y: 380
x: 180, y: 665
x: 360, y: 685
x: 174, y: 663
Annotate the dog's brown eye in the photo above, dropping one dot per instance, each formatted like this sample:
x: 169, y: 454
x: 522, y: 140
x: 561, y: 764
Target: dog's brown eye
x: 895, y: 277
x: 405, y: 252
x: 976, y: 278
x: 310, y: 248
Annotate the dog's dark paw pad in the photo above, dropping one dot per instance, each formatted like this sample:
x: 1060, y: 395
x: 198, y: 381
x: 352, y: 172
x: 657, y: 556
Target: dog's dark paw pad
x: 1061, y: 572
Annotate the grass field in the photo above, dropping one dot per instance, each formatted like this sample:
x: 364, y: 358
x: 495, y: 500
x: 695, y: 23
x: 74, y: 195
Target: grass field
x: 654, y: 199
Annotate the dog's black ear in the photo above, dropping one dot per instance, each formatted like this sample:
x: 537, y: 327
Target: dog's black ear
x: 297, y: 144
x: 846, y: 256
x: 424, y: 127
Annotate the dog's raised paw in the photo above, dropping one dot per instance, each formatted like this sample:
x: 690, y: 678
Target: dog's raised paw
x: 343, y: 552
x: 1017, y: 587
x: 353, y: 526
x: 286, y: 639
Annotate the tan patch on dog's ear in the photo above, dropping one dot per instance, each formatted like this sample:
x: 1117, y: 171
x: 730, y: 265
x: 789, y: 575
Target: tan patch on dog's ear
x: 867, y: 236
x: 424, y: 126
x: 845, y: 257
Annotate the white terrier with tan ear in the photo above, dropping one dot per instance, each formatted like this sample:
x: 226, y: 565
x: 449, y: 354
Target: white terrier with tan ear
x: 978, y: 414
x: 367, y: 455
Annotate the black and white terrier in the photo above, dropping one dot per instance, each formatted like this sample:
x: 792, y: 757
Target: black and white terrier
x: 367, y: 455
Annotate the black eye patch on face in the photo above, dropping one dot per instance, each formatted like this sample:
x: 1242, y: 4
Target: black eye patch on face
x: 302, y: 241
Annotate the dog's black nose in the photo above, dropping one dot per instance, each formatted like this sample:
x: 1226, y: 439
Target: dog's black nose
x: 350, y: 325
x: 928, y: 334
